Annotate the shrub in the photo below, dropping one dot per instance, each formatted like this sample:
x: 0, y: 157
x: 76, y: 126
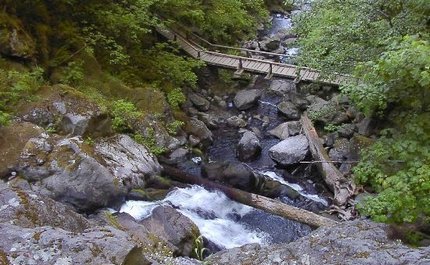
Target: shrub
x: 125, y: 114
x: 175, y: 97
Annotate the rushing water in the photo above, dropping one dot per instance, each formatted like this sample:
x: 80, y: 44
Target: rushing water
x: 226, y: 223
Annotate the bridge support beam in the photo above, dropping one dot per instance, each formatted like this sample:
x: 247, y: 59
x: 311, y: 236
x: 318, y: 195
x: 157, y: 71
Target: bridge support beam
x: 270, y: 73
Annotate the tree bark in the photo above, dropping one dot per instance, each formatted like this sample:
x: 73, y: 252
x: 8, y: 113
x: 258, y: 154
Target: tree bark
x: 257, y: 201
x: 341, y: 187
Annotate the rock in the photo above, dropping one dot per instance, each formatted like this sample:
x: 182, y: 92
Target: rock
x: 49, y: 246
x: 249, y: 147
x: 288, y: 109
x: 179, y: 155
x: 199, y: 129
x: 236, y: 122
x: 12, y: 140
x: 365, y: 127
x: 282, y: 86
x: 74, y: 124
x: 270, y: 44
x: 290, y: 151
x: 199, y: 102
x: 68, y: 174
x: 329, y: 139
x: 194, y: 141
x: 346, y: 130
x: 211, y: 121
x: 286, y: 129
x: 350, y: 243
x: 128, y: 161
x: 175, y: 228
x: 246, y: 99
x: 233, y: 174
x: 14, y: 40
x: 27, y: 209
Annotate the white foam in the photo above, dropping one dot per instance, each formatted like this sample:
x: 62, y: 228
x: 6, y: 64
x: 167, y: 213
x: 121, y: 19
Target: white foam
x: 211, y: 211
x: 295, y: 187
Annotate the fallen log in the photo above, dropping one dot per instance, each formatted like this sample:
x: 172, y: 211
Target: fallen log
x: 253, y: 200
x: 341, y: 187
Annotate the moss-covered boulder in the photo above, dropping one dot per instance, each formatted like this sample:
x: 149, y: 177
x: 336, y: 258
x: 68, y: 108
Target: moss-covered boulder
x: 15, y: 42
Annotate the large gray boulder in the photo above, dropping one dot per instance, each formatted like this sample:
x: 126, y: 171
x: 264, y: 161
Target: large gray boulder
x: 348, y: 243
x: 46, y: 245
x: 249, y: 147
x: 199, y: 102
x: 246, y: 99
x: 15, y: 41
x: 286, y: 129
x: 289, y: 110
x: 282, y: 86
x: 233, y: 174
x: 197, y: 128
x: 290, y: 151
x: 127, y: 161
x: 173, y: 227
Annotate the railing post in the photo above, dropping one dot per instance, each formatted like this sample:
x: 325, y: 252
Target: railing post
x: 240, y: 66
x: 248, y: 54
x: 174, y: 37
x: 198, y: 54
x: 270, y: 69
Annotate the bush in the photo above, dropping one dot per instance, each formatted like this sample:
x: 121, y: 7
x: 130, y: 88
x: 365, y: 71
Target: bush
x: 124, y: 115
x: 175, y: 97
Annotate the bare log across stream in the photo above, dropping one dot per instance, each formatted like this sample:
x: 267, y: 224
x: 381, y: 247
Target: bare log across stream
x: 341, y: 187
x: 256, y: 201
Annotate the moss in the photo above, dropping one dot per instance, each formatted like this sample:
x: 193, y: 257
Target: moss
x: 113, y: 221
x: 37, y: 235
x: 29, y: 211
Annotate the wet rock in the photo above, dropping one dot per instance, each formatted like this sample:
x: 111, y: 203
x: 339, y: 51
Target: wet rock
x: 178, y: 155
x: 199, y: 129
x: 246, y: 99
x: 342, y: 151
x: 350, y: 243
x: 290, y: 151
x: 289, y: 110
x: 365, y: 127
x: 211, y: 121
x: 129, y: 162
x: 234, y: 174
x: 236, y: 121
x: 12, y: 140
x: 249, y: 147
x: 329, y: 139
x: 28, y: 209
x: 47, y: 245
x: 286, y: 129
x: 175, y: 228
x: 270, y: 44
x: 199, y: 102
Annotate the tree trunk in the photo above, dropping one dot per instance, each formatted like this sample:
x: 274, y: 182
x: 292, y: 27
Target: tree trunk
x: 257, y: 201
x: 341, y: 187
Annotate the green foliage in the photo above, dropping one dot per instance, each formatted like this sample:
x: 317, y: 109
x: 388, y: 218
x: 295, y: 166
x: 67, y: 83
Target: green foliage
x: 331, y: 127
x: 124, y: 115
x: 4, y: 118
x: 199, y: 249
x: 175, y: 97
x: 149, y: 141
x: 73, y: 74
x: 398, y: 167
x: 174, y: 126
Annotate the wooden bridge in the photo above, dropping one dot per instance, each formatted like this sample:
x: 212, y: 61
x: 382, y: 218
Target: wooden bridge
x: 261, y: 65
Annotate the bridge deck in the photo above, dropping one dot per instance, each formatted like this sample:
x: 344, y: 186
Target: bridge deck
x: 242, y: 63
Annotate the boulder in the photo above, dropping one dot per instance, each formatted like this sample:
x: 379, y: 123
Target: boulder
x: 199, y: 129
x: 28, y: 209
x: 230, y: 173
x: 12, y: 140
x: 270, y: 44
x: 286, y: 129
x: 248, y: 147
x: 237, y: 122
x: 175, y: 228
x: 290, y: 151
x: 365, y: 127
x: 246, y: 99
x: 199, y: 102
x: 347, y: 130
x: 129, y: 162
x: 49, y: 246
x: 289, y: 110
x: 282, y: 86
x: 351, y: 243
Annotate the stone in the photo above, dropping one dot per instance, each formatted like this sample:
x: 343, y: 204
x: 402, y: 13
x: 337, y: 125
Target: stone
x: 128, y: 161
x: 199, y: 102
x: 365, y: 127
x: 200, y: 130
x: 15, y: 41
x: 246, y: 99
x: 347, y: 130
x: 289, y: 110
x: 270, y: 44
x: 49, y: 246
x: 286, y: 129
x: 12, y: 141
x: 237, y: 122
x: 172, y: 226
x: 357, y: 242
x: 249, y: 147
x: 290, y: 151
x: 25, y: 208
x: 179, y: 155
x: 233, y: 174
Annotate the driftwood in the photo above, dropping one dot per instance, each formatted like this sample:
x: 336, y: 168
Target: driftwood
x: 257, y: 201
x: 341, y: 187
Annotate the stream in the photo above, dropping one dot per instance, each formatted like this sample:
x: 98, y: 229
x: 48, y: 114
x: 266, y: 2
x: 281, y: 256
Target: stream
x: 223, y: 222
